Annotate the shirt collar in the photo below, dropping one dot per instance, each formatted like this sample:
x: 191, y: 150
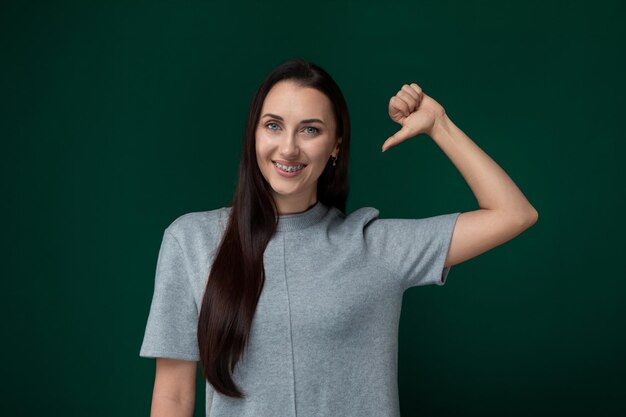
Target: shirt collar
x: 295, y: 221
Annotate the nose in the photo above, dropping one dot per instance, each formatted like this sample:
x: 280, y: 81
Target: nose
x: 289, y: 148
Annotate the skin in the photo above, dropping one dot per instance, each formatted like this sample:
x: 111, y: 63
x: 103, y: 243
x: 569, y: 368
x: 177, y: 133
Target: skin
x: 311, y: 143
x: 174, y: 392
x: 504, y: 211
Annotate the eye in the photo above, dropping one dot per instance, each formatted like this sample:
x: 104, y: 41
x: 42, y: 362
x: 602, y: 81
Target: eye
x: 269, y: 124
x: 315, y: 130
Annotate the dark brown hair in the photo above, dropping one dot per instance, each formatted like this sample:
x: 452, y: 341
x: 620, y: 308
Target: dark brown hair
x: 237, y: 274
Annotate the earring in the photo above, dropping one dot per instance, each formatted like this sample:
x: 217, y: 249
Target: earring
x: 334, y: 160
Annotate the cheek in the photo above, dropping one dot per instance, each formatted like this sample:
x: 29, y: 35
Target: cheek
x: 258, y: 145
x: 321, y: 153
x: 262, y: 155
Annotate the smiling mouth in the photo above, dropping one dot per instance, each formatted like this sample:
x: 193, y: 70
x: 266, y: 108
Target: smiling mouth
x: 288, y: 168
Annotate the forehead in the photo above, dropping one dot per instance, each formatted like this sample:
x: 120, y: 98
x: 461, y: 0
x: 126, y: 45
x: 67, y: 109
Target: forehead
x: 289, y: 100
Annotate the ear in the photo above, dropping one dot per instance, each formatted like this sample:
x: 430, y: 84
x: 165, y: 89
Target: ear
x: 338, y: 142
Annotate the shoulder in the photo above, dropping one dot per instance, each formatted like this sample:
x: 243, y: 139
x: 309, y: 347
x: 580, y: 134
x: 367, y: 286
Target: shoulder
x: 198, y: 226
x: 366, y: 221
x: 360, y: 217
x: 354, y: 222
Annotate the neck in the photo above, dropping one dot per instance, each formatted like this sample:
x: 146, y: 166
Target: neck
x: 293, y: 205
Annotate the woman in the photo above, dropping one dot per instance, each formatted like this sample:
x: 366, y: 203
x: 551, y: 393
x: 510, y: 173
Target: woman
x: 292, y: 307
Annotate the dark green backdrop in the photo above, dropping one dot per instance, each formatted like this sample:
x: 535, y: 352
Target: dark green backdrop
x: 117, y: 117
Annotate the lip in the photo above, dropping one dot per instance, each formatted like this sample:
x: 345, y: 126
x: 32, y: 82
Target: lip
x: 287, y: 174
x: 280, y: 161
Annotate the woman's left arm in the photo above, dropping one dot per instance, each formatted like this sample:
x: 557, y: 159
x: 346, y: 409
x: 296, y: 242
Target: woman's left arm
x: 504, y: 210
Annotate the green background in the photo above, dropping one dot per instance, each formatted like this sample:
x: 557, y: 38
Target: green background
x: 117, y: 117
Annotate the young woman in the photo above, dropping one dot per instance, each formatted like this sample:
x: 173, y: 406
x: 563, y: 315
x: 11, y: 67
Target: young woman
x: 291, y: 306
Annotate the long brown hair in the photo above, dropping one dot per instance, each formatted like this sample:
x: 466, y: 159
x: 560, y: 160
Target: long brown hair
x: 237, y: 275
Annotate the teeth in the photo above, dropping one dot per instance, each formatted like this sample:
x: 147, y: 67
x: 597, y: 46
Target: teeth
x: 288, y: 168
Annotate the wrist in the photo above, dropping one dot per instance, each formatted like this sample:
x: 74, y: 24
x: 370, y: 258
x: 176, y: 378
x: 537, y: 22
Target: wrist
x: 441, y: 125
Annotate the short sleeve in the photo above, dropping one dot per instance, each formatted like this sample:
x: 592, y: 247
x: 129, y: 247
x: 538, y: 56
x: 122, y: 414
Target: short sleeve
x: 171, y: 330
x: 414, y: 249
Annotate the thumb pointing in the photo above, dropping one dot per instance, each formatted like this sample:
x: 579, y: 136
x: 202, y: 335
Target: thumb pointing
x: 398, y: 137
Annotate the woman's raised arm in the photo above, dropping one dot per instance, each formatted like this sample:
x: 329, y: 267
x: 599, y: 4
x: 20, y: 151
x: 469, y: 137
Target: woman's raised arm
x: 504, y: 210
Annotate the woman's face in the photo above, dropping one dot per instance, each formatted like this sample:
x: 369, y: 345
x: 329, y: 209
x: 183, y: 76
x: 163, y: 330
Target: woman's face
x: 296, y: 130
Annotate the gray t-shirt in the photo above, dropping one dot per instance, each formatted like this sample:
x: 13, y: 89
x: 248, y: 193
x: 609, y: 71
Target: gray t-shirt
x: 324, y: 338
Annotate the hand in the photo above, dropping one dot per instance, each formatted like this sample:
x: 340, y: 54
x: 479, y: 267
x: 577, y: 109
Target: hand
x: 415, y: 111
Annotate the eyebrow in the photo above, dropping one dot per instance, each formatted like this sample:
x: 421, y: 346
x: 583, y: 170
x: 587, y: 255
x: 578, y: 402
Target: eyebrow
x: 275, y: 116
